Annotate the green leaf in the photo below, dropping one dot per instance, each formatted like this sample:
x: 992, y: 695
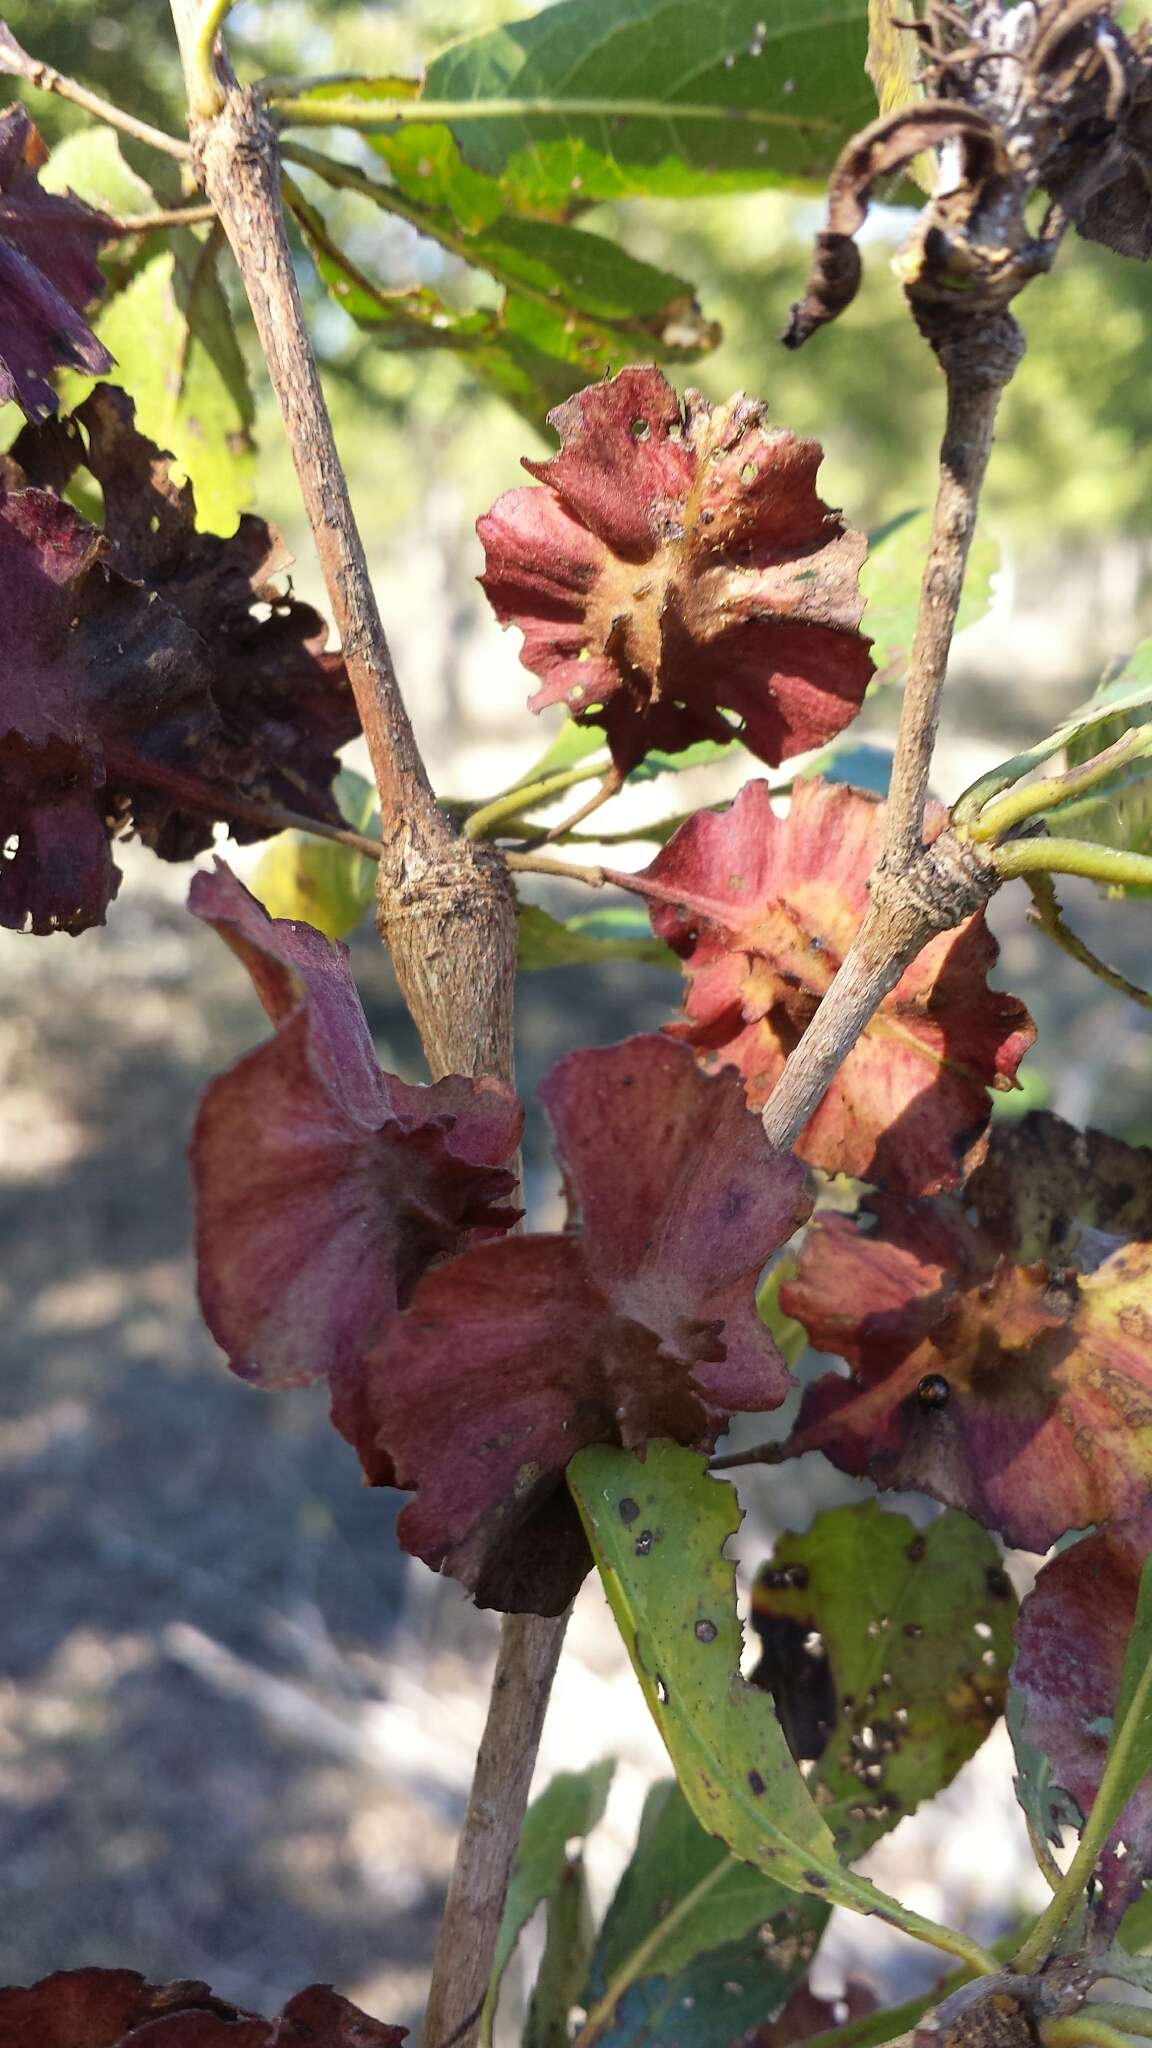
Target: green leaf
x: 687, y: 1932
x: 318, y: 880
x: 914, y: 1632
x: 890, y: 581
x: 572, y: 744
x: 569, y: 1807
x: 89, y: 163
x: 564, y: 1964
x: 573, y: 304
x: 789, y: 1336
x: 1118, y: 811
x: 543, y: 941
x: 1046, y: 1806
x: 657, y: 1524
x: 615, y: 99
x: 703, y: 754
x: 177, y: 355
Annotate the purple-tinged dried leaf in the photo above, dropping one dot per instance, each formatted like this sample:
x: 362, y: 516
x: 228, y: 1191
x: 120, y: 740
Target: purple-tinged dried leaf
x: 93, y: 2008
x: 48, y: 273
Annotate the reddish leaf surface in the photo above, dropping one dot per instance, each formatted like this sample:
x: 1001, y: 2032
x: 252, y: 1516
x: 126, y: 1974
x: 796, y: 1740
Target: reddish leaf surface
x: 1070, y: 1641
x: 805, y: 2014
x: 763, y: 911
x: 324, y: 1187
x: 678, y: 565
x: 134, y: 659
x: 48, y: 273
x: 117, y: 2009
x: 639, y: 1321
x: 1001, y: 1346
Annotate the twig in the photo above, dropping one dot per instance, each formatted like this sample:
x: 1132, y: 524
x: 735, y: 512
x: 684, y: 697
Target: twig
x: 170, y: 217
x: 1112, y: 865
x: 45, y: 78
x: 564, y: 870
x: 1046, y: 912
x: 223, y: 803
x: 446, y: 913
x: 916, y: 892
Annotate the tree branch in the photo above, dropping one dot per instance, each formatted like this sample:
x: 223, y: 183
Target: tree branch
x: 446, y: 912
x: 17, y: 63
x: 916, y: 891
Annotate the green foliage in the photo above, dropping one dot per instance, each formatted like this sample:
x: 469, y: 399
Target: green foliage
x: 585, y: 940
x: 916, y: 1628
x: 570, y: 1806
x: 564, y: 1965
x: 1130, y: 1755
x: 318, y: 880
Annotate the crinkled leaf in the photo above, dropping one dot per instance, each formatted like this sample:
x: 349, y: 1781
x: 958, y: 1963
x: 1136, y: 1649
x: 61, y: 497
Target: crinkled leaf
x: 638, y: 1321
x: 134, y: 659
x: 172, y: 336
x: 1000, y: 1342
x: 762, y: 912
x: 93, y: 2008
x: 1083, y: 1665
x: 688, y: 99
x: 49, y: 273
x: 325, y: 1187
x: 317, y: 880
x: 567, y: 1809
x: 891, y: 577
x: 678, y: 565
x: 545, y: 941
x: 886, y: 1650
x: 658, y: 1524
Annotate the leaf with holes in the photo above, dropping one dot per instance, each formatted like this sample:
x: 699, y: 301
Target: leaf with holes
x: 886, y: 1650
x: 1000, y: 1341
x: 49, y: 273
x: 1083, y: 1678
x: 762, y: 911
x: 567, y: 1809
x: 324, y: 1187
x: 691, y: 1930
x: 658, y: 1523
x: 678, y: 566
x: 93, y: 2008
x: 639, y: 1320
x: 138, y: 684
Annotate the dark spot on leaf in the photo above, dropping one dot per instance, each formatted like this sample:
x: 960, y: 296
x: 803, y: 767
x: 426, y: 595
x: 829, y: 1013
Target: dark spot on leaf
x: 628, y: 1510
x: 757, y: 1783
x: 933, y: 1390
x: 644, y: 1543
x: 706, y: 1631
x: 916, y: 1549
x: 998, y: 1583
x: 912, y: 1629
x: 818, y: 1883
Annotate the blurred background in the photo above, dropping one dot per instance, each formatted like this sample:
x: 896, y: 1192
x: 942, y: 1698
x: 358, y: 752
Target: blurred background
x: 236, y: 1726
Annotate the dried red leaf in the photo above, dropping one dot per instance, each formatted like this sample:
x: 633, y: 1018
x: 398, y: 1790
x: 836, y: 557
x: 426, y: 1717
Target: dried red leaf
x: 1071, y: 1635
x: 677, y: 566
x: 94, y: 2008
x: 638, y: 1321
x: 325, y: 1187
x: 762, y: 912
x: 1001, y: 1346
x: 48, y: 273
x: 806, y: 2014
x: 133, y: 660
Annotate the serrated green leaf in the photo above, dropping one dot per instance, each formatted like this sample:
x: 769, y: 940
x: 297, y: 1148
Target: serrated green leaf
x: 914, y: 1632
x: 657, y: 1524
x: 544, y: 941
x: 1045, y: 1804
x: 890, y: 583
x: 318, y: 880
x: 613, y: 99
x: 176, y: 352
x: 567, y: 1808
